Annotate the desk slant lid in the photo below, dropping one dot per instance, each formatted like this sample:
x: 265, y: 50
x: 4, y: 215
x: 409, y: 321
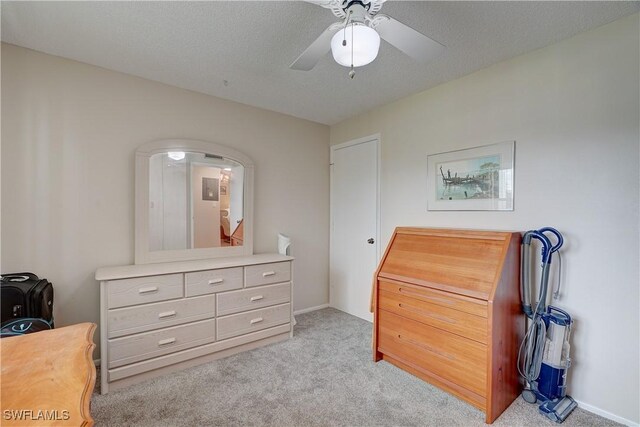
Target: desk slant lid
x: 464, y: 262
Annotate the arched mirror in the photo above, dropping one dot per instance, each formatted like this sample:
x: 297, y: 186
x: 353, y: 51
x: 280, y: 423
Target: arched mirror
x: 194, y: 200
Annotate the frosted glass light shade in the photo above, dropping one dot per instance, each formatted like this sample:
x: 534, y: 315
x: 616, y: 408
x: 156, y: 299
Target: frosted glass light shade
x: 366, y: 43
x: 176, y: 155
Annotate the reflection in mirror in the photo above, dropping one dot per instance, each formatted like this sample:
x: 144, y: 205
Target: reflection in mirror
x: 195, y: 201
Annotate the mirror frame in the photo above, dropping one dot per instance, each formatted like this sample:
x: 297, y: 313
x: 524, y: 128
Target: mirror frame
x: 143, y: 155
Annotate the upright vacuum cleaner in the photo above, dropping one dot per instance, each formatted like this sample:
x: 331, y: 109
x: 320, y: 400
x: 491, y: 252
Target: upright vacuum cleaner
x: 544, y: 353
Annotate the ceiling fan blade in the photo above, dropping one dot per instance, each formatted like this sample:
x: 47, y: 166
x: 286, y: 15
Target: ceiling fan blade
x: 316, y: 50
x: 414, y: 44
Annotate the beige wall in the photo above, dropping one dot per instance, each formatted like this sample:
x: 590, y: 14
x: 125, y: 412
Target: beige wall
x: 573, y: 109
x: 69, y: 135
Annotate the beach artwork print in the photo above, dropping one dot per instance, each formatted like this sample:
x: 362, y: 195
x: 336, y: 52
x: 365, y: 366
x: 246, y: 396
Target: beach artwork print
x: 476, y: 178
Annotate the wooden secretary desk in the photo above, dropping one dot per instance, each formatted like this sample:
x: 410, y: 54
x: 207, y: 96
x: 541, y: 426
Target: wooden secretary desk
x: 447, y: 309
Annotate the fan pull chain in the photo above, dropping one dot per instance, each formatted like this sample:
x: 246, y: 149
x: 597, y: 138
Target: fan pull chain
x: 344, y: 33
x: 352, y: 73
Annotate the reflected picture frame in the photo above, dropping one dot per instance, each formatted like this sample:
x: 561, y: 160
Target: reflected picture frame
x: 472, y: 179
x: 210, y: 188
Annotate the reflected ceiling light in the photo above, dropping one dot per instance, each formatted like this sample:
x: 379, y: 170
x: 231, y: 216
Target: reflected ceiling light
x: 176, y: 155
x: 356, y: 45
x: 227, y: 169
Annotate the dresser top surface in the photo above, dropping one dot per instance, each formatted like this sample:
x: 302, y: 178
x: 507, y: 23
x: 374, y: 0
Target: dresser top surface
x: 141, y: 270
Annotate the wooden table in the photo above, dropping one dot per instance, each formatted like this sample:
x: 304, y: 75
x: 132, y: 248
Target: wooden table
x: 48, y: 377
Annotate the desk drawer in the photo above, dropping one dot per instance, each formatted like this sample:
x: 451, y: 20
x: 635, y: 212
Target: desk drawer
x: 444, y: 299
x: 132, y: 320
x: 265, y: 274
x: 250, y: 299
x: 212, y: 281
x: 449, y: 356
x: 421, y: 310
x: 251, y: 321
x: 142, y: 290
x: 135, y: 348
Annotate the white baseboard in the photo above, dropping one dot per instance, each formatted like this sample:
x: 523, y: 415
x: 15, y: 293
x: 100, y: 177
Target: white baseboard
x: 606, y: 414
x: 307, y: 310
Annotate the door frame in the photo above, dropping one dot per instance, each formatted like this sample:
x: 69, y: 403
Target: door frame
x: 377, y: 138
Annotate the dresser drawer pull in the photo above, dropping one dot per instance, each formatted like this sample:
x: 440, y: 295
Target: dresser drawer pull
x: 256, y: 298
x: 418, y: 295
x: 167, y: 341
x: 427, y: 314
x: 148, y: 290
x: 215, y: 281
x: 428, y: 348
x: 166, y: 314
x: 268, y: 273
x: 256, y: 320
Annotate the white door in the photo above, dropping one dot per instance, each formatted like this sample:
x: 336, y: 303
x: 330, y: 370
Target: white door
x: 354, y: 225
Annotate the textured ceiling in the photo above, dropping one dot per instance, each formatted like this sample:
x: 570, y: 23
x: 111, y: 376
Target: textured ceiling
x: 200, y: 45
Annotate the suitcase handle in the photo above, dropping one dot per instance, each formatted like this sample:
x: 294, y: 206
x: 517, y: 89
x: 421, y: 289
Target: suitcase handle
x: 15, y: 278
x: 19, y: 277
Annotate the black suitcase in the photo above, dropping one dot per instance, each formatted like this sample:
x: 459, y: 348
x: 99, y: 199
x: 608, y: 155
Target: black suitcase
x: 25, y: 295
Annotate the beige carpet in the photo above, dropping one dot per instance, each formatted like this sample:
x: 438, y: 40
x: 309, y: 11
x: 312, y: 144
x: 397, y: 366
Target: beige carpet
x: 324, y: 376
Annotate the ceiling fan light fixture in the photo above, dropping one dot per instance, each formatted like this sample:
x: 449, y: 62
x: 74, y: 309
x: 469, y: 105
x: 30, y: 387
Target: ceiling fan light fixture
x: 366, y: 43
x: 176, y: 155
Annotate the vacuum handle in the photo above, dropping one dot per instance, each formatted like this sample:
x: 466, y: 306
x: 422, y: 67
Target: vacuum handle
x: 556, y: 233
x: 547, y: 247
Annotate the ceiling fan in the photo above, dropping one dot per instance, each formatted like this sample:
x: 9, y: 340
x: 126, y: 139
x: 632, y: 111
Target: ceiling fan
x: 355, y: 40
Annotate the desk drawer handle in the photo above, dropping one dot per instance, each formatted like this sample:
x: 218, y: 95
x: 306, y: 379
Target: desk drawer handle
x: 256, y: 298
x: 167, y: 341
x: 215, y: 281
x: 256, y: 320
x: 148, y: 290
x: 268, y: 273
x: 166, y: 314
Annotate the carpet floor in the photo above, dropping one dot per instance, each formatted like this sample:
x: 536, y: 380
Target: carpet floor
x: 324, y: 376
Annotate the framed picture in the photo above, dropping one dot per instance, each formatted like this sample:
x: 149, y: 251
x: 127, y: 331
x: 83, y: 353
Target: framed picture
x: 474, y: 179
x: 210, y: 189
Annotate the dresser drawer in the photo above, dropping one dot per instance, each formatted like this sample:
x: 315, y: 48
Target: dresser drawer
x: 135, y: 348
x: 251, y: 321
x: 132, y: 320
x: 142, y: 290
x: 444, y: 299
x: 459, y: 360
x: 250, y: 299
x: 265, y: 274
x: 440, y: 316
x: 212, y: 281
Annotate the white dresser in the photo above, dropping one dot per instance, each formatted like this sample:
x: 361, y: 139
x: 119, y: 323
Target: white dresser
x: 158, y: 318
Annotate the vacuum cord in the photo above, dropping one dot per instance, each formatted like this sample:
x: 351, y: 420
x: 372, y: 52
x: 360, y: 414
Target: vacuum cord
x: 529, y: 366
x: 556, y: 293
